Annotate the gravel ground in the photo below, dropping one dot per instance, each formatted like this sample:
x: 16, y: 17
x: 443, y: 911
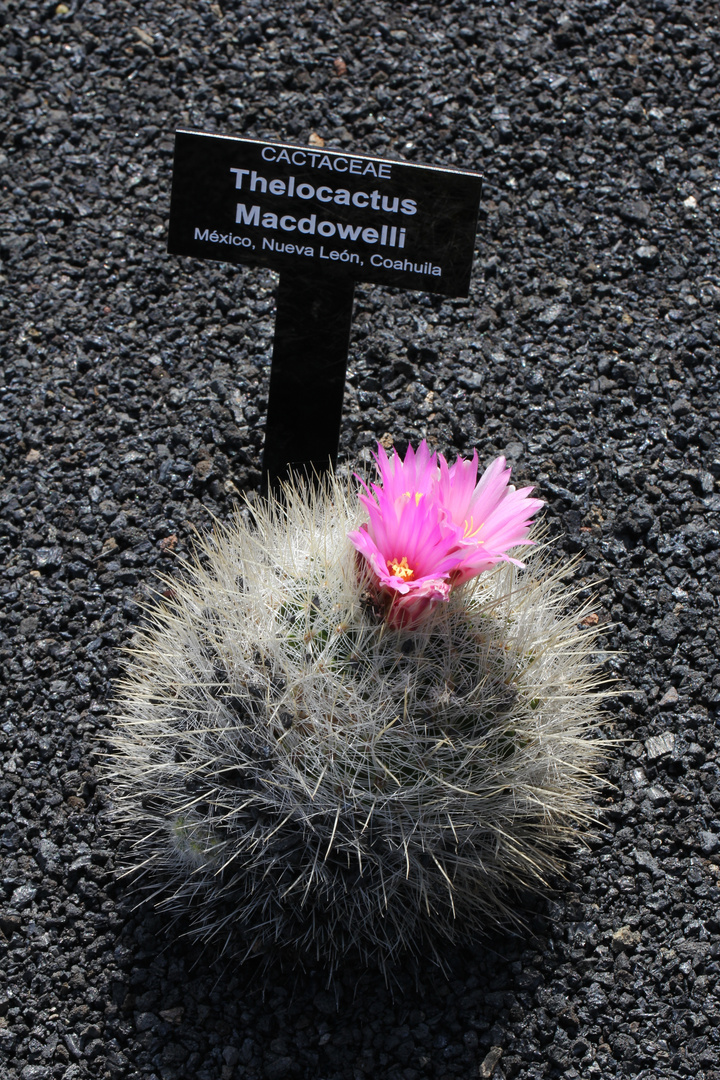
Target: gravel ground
x: 136, y: 388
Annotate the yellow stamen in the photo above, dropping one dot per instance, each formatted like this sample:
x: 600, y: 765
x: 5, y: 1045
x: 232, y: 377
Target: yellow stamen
x: 469, y: 530
x: 418, y: 496
x: 401, y: 569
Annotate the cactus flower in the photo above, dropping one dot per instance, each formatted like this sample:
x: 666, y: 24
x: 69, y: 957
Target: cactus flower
x: 432, y: 526
x: 410, y: 545
x: 493, y: 515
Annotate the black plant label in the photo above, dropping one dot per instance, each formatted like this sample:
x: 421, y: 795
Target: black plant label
x: 323, y: 212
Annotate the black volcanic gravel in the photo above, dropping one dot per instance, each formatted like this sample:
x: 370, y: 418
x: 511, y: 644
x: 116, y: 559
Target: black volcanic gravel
x: 135, y: 388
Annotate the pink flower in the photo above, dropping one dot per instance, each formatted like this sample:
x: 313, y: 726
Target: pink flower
x: 410, y: 546
x: 432, y: 527
x: 492, y: 514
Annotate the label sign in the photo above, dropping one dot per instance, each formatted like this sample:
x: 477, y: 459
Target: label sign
x: 316, y: 211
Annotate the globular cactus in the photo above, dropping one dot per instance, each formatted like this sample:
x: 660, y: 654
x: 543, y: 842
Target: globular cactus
x: 296, y: 769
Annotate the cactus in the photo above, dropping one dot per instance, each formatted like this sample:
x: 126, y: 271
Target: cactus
x: 294, y: 768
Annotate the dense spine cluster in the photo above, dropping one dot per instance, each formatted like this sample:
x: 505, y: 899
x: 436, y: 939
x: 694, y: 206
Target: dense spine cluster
x: 294, y: 768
